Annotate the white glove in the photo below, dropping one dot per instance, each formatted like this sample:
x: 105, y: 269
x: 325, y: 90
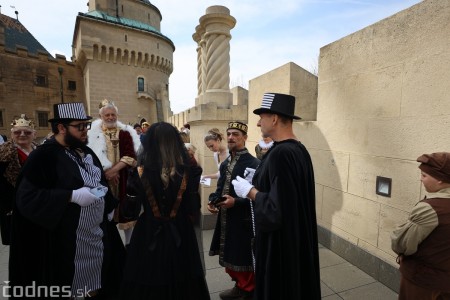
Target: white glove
x: 83, y: 197
x: 241, y: 186
x: 248, y: 174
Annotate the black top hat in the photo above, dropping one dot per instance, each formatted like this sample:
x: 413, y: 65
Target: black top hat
x: 69, y: 112
x: 279, y: 104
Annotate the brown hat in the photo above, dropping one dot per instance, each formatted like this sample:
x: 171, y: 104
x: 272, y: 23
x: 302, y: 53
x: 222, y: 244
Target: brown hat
x: 436, y: 165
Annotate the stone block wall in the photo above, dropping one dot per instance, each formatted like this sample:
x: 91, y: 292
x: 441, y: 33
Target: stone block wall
x: 383, y: 101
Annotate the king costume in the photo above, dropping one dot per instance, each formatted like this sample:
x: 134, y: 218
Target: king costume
x: 234, y: 229
x: 129, y: 143
x: 12, y: 158
x: 58, y: 243
x: 287, y: 259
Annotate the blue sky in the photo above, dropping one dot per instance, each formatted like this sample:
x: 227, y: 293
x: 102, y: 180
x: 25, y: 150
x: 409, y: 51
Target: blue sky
x: 267, y: 35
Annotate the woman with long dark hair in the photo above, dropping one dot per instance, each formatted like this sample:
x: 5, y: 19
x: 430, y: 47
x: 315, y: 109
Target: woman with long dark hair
x: 163, y: 259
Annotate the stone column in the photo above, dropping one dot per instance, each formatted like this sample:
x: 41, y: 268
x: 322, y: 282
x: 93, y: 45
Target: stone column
x: 197, y: 36
x: 217, y: 24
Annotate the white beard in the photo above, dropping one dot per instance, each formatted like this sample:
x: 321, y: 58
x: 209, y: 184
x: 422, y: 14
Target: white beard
x: 97, y: 141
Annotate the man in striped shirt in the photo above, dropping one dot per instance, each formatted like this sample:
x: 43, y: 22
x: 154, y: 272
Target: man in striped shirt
x: 61, y: 243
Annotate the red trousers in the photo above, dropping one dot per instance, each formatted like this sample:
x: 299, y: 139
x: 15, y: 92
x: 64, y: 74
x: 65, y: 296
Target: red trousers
x: 410, y: 291
x: 244, y: 280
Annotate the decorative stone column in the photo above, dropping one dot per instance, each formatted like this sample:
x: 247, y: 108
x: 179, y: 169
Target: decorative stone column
x: 213, y: 37
x: 201, y: 69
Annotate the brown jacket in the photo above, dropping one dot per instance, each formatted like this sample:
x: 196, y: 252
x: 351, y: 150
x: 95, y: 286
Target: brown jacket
x: 429, y: 265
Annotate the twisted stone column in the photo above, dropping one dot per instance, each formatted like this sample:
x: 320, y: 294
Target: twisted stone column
x: 197, y: 36
x: 214, y: 29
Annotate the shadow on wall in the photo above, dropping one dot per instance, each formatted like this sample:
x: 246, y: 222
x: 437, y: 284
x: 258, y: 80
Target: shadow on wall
x: 328, y: 181
x: 344, y: 219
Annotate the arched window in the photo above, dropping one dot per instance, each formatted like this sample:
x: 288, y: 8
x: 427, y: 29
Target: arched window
x: 141, y: 84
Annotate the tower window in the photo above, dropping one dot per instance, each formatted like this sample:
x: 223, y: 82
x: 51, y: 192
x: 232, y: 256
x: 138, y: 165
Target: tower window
x: 40, y: 80
x: 141, y: 84
x: 1, y: 119
x: 72, y: 85
x: 126, y: 38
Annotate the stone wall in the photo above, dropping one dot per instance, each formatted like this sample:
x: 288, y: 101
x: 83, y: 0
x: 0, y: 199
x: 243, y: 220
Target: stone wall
x: 383, y: 101
x: 19, y: 93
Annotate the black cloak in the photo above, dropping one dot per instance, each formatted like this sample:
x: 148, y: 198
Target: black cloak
x: 287, y: 258
x: 44, y: 223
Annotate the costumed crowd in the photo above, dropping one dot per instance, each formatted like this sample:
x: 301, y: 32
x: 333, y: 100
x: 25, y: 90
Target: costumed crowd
x: 65, y: 202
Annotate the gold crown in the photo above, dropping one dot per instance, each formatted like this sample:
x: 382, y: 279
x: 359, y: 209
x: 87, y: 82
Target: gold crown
x: 105, y: 102
x: 22, y: 122
x: 238, y: 125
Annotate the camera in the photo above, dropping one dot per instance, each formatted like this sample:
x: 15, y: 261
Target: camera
x: 219, y: 200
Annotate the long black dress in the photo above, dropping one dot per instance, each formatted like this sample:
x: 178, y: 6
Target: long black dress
x: 287, y: 259
x: 163, y: 259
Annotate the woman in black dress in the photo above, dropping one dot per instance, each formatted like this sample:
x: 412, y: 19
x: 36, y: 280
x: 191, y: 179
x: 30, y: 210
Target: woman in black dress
x: 163, y: 259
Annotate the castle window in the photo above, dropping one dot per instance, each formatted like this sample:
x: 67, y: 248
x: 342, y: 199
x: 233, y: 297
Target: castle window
x: 72, y: 85
x: 126, y: 38
x: 141, y: 85
x: 42, y: 117
x: 40, y: 80
x: 1, y: 119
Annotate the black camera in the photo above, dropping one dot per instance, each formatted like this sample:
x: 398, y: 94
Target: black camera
x: 219, y: 200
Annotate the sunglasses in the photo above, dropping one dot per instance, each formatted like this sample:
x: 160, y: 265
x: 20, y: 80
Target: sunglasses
x: 25, y: 132
x: 82, y: 126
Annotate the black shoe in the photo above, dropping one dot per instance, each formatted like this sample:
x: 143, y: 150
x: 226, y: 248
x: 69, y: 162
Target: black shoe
x: 234, y: 293
x: 246, y: 295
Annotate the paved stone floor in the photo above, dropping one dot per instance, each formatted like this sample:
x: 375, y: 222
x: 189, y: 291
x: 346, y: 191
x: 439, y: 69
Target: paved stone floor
x: 339, y: 279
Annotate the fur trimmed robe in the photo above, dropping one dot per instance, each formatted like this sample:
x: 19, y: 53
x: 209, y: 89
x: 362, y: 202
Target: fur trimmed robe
x: 128, y: 147
x: 97, y: 141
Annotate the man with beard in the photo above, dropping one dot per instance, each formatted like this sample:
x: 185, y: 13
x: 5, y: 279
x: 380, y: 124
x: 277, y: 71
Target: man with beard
x: 116, y: 145
x: 286, y: 245
x: 62, y: 240
x: 234, y: 229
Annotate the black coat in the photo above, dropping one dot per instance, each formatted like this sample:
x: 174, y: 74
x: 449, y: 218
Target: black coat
x: 43, y: 239
x: 235, y: 249
x: 287, y: 259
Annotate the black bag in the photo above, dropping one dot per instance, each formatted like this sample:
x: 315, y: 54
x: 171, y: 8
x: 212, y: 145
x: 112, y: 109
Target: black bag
x: 130, y: 207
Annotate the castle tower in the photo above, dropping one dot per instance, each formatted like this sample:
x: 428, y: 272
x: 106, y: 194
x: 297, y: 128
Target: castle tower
x: 125, y: 58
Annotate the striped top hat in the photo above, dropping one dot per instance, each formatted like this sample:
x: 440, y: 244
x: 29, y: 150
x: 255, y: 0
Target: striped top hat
x: 69, y: 112
x: 279, y: 104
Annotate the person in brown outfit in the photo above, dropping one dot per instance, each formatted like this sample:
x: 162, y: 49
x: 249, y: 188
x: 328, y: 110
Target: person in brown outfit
x: 423, y: 241
x: 13, y: 155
